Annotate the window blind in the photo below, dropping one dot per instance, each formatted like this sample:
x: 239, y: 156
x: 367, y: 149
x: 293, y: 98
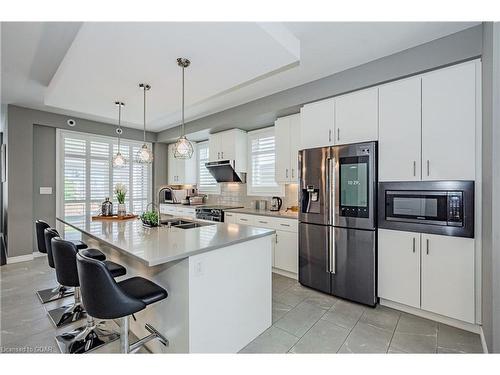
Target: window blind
x: 87, y: 176
x: 262, y: 155
x: 206, y: 182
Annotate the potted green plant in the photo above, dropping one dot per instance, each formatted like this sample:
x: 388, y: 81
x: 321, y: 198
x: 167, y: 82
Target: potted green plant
x: 121, y: 192
x: 150, y: 218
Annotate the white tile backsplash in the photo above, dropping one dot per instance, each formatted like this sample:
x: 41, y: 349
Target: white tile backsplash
x: 234, y: 194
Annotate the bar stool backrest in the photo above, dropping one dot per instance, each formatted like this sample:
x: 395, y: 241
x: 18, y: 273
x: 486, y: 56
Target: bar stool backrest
x: 49, y: 234
x: 64, y: 254
x: 40, y: 227
x: 101, y: 295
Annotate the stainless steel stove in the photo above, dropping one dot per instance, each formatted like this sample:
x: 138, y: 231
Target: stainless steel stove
x: 213, y: 213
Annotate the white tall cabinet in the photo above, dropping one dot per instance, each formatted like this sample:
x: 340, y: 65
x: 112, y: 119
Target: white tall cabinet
x: 179, y: 171
x: 448, y: 123
x: 427, y: 127
x: 286, y: 131
x: 229, y: 145
x: 400, y: 130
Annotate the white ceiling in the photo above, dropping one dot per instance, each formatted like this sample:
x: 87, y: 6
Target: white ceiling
x: 80, y: 69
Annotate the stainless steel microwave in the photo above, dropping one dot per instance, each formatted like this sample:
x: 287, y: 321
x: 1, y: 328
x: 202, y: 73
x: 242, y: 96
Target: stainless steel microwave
x: 438, y: 207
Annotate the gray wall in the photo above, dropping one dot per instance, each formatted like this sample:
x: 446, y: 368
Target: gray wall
x: 22, y: 143
x: 491, y: 186
x: 461, y: 46
x: 160, y: 177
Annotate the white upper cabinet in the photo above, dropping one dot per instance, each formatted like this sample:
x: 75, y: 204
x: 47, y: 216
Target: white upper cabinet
x: 399, y: 266
x: 356, y: 117
x: 229, y: 145
x: 181, y: 171
x: 448, y: 276
x: 399, y: 130
x: 286, y: 130
x: 317, y: 124
x: 449, y: 123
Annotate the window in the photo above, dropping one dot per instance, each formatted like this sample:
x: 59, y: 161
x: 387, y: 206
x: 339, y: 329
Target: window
x: 86, y: 176
x: 262, y: 160
x: 206, y: 182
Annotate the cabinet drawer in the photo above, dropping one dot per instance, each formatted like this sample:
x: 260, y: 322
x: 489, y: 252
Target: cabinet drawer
x: 245, y: 219
x: 287, y: 225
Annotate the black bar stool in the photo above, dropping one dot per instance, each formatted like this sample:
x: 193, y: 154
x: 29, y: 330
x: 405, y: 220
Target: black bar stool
x: 104, y: 298
x: 51, y: 294
x: 63, y: 255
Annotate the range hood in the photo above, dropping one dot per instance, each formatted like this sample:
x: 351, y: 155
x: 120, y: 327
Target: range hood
x: 224, y: 171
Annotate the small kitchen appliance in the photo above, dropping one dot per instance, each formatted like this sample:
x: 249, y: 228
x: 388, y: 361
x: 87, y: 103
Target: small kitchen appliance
x: 276, y: 203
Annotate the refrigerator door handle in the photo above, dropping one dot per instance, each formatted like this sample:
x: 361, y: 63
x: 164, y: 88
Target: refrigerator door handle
x: 331, y: 252
x: 331, y: 190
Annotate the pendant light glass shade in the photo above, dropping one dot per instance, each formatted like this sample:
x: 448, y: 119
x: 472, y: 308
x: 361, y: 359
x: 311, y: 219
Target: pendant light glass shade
x: 144, y: 155
x: 183, y: 148
x: 119, y: 160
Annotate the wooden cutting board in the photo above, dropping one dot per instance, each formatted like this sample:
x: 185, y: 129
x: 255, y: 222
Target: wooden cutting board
x: 114, y: 217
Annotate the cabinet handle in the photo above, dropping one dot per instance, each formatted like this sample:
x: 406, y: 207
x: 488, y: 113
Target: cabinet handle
x: 338, y: 134
x: 413, y: 244
x: 414, y: 168
x: 243, y: 219
x: 427, y: 245
x: 222, y: 155
x: 292, y: 173
x: 286, y: 172
x: 428, y: 167
x: 276, y: 237
x: 330, y: 135
x: 285, y: 225
x: 263, y: 222
x: 218, y: 156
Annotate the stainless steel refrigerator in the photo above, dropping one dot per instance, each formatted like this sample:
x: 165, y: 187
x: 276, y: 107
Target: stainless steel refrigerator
x: 337, y: 220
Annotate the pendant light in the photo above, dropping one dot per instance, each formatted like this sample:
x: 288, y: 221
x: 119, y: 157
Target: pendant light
x: 119, y: 160
x: 144, y: 155
x: 183, y: 149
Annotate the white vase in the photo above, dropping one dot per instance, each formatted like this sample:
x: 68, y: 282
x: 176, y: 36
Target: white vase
x: 122, y: 209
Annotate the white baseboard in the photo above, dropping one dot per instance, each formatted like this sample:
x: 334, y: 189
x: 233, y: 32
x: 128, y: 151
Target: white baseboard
x: 474, y: 328
x: 20, y: 258
x: 286, y: 273
x: 483, y: 341
x: 38, y: 254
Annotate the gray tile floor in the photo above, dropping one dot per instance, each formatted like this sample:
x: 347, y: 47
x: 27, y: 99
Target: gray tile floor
x: 304, y: 321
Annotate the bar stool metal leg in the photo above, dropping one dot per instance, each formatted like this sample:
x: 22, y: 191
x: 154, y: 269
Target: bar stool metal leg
x: 124, y: 328
x: 85, y: 339
x: 69, y: 313
x: 125, y: 346
x: 53, y: 294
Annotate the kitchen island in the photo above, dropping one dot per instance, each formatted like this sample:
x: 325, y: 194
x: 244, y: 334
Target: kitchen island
x: 218, y: 278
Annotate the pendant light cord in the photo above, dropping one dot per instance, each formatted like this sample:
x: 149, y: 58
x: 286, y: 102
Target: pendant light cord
x: 144, y: 113
x: 183, y: 129
x: 119, y: 124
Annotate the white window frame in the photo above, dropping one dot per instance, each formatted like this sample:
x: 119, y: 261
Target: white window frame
x: 60, y: 133
x: 217, y: 189
x: 279, y: 189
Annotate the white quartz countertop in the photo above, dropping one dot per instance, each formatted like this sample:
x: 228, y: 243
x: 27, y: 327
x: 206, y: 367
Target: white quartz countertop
x: 154, y: 246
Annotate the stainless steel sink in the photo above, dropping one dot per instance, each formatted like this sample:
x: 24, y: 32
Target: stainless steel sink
x: 183, y: 224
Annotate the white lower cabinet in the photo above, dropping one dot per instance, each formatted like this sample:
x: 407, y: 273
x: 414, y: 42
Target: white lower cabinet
x: 427, y: 271
x: 399, y: 266
x: 448, y: 276
x: 286, y: 249
x: 176, y: 210
x: 229, y: 218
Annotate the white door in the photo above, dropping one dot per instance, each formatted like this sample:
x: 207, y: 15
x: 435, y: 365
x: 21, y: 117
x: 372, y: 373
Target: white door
x: 449, y: 123
x: 286, y: 255
x: 282, y: 144
x: 294, y: 147
x: 214, y: 147
x: 399, y: 266
x: 171, y: 165
x: 317, y: 124
x: 356, y: 117
x: 399, y: 131
x: 448, y: 276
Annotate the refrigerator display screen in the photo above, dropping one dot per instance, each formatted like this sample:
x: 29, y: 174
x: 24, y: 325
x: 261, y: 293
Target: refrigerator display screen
x: 354, y: 184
